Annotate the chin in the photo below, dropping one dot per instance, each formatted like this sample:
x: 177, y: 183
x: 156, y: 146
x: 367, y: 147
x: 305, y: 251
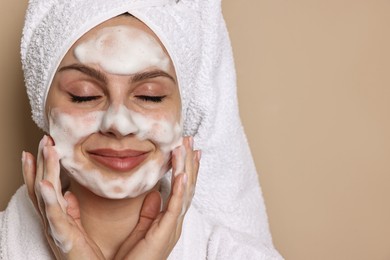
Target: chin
x: 120, y: 185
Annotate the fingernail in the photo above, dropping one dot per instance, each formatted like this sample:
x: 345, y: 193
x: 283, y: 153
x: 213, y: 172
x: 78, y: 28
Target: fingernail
x: 199, y: 155
x: 191, y: 142
x: 23, y: 157
x: 43, y: 142
x: 23, y: 164
x: 50, y: 140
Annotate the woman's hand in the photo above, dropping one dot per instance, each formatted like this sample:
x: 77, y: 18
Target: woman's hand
x: 60, y: 214
x: 156, y: 233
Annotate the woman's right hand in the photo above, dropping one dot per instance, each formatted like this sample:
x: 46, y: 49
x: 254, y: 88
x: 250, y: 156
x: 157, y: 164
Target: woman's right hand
x: 60, y: 214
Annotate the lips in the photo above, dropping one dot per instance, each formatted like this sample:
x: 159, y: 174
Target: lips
x: 121, y: 161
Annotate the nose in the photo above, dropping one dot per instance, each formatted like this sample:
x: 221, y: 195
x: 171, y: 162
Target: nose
x: 118, y: 122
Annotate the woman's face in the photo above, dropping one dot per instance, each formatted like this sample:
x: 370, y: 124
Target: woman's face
x: 114, y: 109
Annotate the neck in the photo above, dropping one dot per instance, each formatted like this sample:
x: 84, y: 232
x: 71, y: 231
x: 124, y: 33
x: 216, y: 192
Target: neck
x: 108, y: 222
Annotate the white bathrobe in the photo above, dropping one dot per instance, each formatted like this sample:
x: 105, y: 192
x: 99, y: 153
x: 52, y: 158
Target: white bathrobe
x: 22, y: 236
x: 227, y: 218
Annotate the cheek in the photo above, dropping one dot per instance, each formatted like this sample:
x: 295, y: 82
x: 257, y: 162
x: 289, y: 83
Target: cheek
x: 67, y: 131
x: 163, y: 130
x: 168, y: 114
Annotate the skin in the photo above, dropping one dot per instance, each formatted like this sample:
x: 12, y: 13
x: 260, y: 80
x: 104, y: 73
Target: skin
x: 80, y: 224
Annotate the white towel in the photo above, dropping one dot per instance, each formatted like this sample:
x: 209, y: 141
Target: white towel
x: 21, y: 235
x: 228, y: 197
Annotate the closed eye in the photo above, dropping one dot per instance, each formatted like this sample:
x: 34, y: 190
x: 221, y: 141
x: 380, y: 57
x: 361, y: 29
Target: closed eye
x: 81, y: 99
x: 155, y: 99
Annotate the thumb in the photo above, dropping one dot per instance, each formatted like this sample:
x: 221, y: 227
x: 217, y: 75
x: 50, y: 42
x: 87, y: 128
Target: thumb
x: 149, y: 212
x: 72, y: 208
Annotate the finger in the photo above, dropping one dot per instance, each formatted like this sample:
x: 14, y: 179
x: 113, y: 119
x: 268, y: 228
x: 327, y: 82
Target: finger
x: 163, y: 231
x: 39, y: 174
x: 198, y: 156
x: 73, y: 208
x: 191, y: 183
x: 166, y: 229
x: 59, y: 227
x: 191, y: 169
x: 149, y: 212
x: 51, y: 172
x: 28, y: 167
x: 73, y: 211
x: 175, y: 208
x: 178, y: 160
x: 189, y: 159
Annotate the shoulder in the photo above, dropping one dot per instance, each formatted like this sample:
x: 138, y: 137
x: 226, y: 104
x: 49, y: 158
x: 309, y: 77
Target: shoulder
x: 17, y: 198
x: 1, y: 219
x: 7, y: 217
x: 21, y: 223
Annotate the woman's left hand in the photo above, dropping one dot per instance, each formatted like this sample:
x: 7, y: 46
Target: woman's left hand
x: 156, y: 233
x: 60, y: 214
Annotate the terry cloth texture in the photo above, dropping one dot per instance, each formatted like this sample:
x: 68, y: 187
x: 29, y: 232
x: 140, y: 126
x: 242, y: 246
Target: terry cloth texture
x: 22, y: 237
x: 228, y: 197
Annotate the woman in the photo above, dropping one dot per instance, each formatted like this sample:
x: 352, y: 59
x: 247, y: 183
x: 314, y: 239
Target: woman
x: 115, y: 93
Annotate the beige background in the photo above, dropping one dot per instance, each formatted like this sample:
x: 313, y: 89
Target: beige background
x: 314, y: 88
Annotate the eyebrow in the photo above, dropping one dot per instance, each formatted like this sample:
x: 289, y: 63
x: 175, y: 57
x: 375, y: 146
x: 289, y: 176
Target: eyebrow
x: 151, y: 74
x: 94, y: 73
x: 137, y: 77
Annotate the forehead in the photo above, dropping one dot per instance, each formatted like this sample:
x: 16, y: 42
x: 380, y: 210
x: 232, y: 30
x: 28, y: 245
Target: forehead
x: 122, y: 20
x: 122, y: 45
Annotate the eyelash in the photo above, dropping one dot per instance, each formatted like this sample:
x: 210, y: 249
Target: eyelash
x: 155, y: 99
x: 81, y: 99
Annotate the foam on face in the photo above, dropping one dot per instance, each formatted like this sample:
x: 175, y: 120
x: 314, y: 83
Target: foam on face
x: 122, y: 50
x: 68, y: 130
